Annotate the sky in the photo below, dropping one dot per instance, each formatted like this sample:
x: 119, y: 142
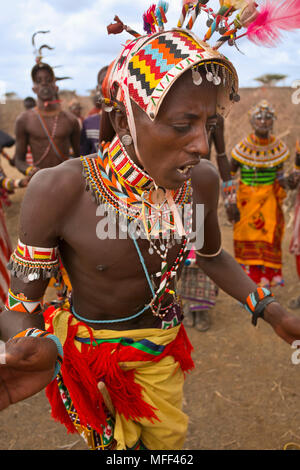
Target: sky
x: 82, y: 46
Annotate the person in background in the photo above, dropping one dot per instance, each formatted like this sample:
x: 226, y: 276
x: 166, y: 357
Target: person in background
x: 89, y: 139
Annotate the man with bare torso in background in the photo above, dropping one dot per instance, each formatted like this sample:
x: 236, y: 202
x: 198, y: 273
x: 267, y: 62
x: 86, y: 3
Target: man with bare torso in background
x: 48, y: 129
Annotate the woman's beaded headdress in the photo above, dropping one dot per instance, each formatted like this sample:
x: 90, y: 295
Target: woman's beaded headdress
x: 262, y: 108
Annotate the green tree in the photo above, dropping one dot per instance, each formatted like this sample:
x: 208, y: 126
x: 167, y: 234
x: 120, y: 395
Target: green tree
x: 270, y: 79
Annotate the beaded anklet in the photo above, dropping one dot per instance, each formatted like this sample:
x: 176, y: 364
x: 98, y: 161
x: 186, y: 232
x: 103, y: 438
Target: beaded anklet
x: 35, y: 332
x: 257, y: 301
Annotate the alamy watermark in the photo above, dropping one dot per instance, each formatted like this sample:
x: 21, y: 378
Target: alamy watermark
x: 113, y: 227
x: 2, y: 353
x: 296, y: 93
x: 295, y: 358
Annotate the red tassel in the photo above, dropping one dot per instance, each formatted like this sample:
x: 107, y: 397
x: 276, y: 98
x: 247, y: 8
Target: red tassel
x: 59, y: 412
x: 83, y: 370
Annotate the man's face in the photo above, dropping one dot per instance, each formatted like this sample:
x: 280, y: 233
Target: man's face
x: 174, y: 143
x: 44, y: 85
x: 262, y: 122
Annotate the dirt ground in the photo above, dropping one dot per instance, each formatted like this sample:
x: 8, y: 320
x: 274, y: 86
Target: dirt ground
x: 242, y: 394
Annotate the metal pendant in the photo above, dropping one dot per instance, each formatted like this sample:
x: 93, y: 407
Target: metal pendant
x: 197, y: 79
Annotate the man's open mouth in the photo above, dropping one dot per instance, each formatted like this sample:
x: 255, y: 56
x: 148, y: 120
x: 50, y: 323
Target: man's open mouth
x: 184, y: 169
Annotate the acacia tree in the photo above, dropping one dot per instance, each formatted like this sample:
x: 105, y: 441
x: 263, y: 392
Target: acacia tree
x: 270, y: 79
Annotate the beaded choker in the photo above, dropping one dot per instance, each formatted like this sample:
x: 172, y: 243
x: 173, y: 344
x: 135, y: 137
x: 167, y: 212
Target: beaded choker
x: 128, y: 191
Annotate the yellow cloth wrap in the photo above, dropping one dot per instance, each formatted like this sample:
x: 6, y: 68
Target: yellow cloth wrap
x: 162, y: 384
x: 258, y: 234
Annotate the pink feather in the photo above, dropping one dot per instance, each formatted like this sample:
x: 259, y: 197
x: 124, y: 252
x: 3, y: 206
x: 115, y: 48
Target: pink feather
x: 274, y: 17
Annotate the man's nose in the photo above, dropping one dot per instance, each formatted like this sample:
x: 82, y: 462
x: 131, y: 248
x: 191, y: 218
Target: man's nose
x: 199, y: 141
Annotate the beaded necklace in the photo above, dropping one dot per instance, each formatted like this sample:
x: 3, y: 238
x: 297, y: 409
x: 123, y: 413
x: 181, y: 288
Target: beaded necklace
x: 129, y: 192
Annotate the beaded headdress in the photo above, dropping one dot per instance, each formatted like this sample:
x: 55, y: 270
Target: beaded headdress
x: 262, y: 108
x: 149, y: 65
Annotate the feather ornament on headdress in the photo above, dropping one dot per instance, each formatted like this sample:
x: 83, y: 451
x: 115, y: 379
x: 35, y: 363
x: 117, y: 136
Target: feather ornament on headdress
x: 150, y: 20
x: 227, y: 8
x: 38, y: 51
x: 119, y: 27
x: 160, y: 13
x: 274, y: 18
x: 236, y: 4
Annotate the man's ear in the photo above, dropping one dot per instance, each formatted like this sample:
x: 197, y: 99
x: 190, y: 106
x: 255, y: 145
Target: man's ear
x: 34, y: 89
x: 119, y: 122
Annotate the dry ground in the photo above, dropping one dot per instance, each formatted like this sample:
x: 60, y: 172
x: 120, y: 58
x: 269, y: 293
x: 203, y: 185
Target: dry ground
x: 244, y: 391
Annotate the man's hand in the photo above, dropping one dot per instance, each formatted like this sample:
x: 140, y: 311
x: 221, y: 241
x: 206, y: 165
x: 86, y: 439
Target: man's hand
x: 23, y: 182
x: 286, y: 326
x: 292, y: 180
x: 233, y: 214
x: 28, y: 368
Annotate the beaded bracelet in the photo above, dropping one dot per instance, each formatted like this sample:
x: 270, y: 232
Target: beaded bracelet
x: 20, y: 303
x: 28, y: 170
x: 35, y: 332
x: 257, y: 301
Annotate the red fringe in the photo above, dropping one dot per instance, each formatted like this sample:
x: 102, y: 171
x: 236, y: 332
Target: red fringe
x: 83, y: 370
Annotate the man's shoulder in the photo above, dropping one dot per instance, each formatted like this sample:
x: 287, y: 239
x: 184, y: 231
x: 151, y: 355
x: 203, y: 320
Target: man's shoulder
x: 24, y: 116
x: 205, y: 180
x: 205, y: 171
x: 60, y: 184
x: 69, y: 116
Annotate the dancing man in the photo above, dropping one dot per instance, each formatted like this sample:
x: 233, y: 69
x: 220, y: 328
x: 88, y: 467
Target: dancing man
x: 114, y: 356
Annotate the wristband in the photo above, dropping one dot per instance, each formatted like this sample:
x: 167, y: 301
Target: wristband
x: 20, y: 303
x: 35, y: 332
x: 257, y: 301
x: 28, y: 170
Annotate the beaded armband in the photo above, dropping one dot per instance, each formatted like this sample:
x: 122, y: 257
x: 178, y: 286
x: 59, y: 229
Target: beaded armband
x: 20, y: 303
x: 30, y: 263
x: 229, y: 192
x: 35, y: 332
x: 257, y: 301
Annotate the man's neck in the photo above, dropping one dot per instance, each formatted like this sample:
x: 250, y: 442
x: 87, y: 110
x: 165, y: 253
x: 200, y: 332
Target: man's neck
x: 48, y: 107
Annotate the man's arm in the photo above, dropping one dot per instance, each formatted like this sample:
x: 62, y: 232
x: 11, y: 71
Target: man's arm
x: 28, y: 363
x: 22, y: 141
x: 38, y: 228
x: 219, y: 143
x: 75, y: 139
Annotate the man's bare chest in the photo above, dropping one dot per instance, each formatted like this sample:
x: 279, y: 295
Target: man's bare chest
x: 104, y: 243
x: 41, y: 128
